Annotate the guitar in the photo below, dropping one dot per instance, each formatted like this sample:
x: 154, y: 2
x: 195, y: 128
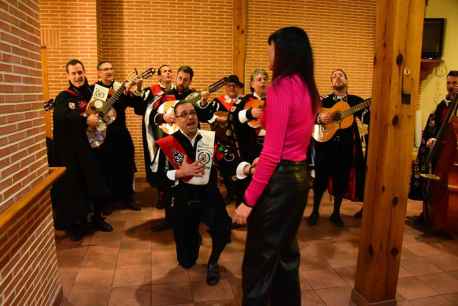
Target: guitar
x: 342, y: 115
x: 194, y: 97
x: 254, y: 103
x: 105, y: 110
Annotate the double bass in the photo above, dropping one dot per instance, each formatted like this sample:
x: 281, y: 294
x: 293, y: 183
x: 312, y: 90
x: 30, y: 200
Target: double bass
x: 441, y: 176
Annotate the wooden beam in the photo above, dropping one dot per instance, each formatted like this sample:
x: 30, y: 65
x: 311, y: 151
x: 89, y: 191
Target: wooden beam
x: 395, y: 91
x: 47, y: 116
x: 240, y: 17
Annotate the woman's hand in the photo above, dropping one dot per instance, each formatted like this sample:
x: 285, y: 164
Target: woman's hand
x: 241, y: 214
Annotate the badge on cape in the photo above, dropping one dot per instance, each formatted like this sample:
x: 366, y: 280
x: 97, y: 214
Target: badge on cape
x: 179, y: 157
x: 71, y: 105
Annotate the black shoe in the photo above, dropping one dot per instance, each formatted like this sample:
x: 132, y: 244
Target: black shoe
x: 213, y: 275
x: 337, y: 220
x: 359, y: 214
x: 160, y: 225
x: 107, y: 210
x: 75, y: 233
x: 101, y: 225
x: 313, y: 219
x: 131, y: 204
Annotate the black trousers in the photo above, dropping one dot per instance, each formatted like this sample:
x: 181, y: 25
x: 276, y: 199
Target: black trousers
x: 333, y: 159
x: 270, y: 271
x: 189, y: 207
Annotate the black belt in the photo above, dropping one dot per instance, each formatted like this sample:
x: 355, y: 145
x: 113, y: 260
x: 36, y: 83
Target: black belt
x: 286, y: 165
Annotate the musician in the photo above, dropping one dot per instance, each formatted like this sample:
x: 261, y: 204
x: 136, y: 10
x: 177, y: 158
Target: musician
x: 155, y: 94
x: 441, y: 110
x: 335, y: 158
x: 185, y: 167
x: 117, y: 151
x: 251, y: 139
x: 79, y: 195
x: 223, y: 110
x: 435, y: 121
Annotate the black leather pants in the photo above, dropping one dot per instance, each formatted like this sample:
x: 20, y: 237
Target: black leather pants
x: 270, y: 271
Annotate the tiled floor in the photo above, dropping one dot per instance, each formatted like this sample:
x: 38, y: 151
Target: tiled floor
x: 133, y: 266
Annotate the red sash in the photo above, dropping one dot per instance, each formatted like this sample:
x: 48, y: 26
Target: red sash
x: 82, y: 104
x: 156, y: 89
x: 227, y: 106
x: 174, y: 152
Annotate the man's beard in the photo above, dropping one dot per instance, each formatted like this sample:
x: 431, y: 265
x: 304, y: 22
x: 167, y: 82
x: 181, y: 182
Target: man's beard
x: 339, y: 87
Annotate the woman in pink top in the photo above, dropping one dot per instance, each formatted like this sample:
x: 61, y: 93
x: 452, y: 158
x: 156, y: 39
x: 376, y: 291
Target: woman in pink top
x: 276, y: 197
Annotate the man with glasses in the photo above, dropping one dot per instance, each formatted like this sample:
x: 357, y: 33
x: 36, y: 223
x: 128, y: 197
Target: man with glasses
x: 185, y: 167
x: 117, y: 152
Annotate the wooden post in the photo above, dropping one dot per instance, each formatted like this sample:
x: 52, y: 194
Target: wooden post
x: 395, y: 91
x: 47, y: 116
x: 240, y: 17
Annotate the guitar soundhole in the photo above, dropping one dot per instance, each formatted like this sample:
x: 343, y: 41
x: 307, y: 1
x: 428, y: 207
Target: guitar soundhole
x: 337, y: 116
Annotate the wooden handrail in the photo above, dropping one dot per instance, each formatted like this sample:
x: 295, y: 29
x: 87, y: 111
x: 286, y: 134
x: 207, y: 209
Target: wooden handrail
x: 37, y: 190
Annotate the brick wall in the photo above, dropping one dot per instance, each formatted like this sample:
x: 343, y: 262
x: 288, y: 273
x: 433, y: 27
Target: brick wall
x: 22, y: 145
x: 342, y: 34
x: 28, y: 261
x: 199, y: 33
x: 69, y: 30
x: 195, y: 33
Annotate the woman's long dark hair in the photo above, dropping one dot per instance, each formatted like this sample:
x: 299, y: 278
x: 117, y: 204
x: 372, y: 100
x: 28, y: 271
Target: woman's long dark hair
x: 293, y: 54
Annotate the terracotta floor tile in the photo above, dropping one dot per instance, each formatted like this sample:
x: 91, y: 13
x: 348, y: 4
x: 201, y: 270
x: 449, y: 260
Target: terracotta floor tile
x: 165, y: 273
x: 135, y: 244
x: 171, y: 294
x: 88, y: 297
x: 94, y: 278
x: 327, y: 278
x: 445, y: 262
x: 429, y: 301
x: 419, y: 266
x: 453, y: 298
x: 454, y: 274
x: 134, y: 258
x: 132, y: 276
x: 347, y: 274
x: 131, y: 296
x: 203, y: 293
x: 311, y: 298
x: 135, y: 266
x: 413, y: 288
x: 335, y: 296
x: 441, y: 282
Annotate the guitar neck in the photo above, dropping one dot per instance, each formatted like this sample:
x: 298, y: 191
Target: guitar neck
x: 356, y: 108
x: 216, y: 86
x: 115, y: 97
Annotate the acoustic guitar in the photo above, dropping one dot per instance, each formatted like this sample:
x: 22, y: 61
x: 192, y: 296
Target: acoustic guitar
x: 342, y: 118
x: 194, y: 97
x: 105, y: 110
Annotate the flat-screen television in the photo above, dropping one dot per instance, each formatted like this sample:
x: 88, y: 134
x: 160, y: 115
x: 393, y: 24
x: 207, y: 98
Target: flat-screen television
x: 433, y: 38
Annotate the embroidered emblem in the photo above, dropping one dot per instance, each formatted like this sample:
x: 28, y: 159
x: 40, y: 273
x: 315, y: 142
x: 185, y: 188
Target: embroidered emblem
x: 179, y: 157
x: 204, y: 157
x: 71, y: 105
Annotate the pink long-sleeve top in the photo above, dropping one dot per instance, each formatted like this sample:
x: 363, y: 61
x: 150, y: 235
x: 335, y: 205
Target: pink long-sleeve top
x: 288, y: 119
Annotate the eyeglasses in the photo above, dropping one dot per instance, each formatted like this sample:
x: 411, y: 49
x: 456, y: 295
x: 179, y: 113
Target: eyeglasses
x: 186, y: 114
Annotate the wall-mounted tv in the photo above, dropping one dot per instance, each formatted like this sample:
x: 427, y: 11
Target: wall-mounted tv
x: 433, y: 38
